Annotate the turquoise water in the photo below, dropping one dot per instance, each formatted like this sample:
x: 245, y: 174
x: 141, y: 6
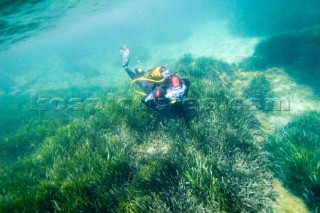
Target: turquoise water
x: 73, y: 42
x: 113, y: 157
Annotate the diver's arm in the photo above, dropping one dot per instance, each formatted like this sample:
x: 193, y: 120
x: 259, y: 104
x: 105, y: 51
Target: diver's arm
x: 125, y: 57
x: 131, y: 74
x: 145, y: 86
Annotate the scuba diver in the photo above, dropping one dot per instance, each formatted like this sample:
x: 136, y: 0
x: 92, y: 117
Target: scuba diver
x: 160, y: 89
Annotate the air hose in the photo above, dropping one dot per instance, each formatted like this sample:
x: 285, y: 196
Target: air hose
x: 144, y: 79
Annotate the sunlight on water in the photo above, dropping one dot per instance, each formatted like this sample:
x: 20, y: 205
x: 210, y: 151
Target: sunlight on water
x: 82, y: 50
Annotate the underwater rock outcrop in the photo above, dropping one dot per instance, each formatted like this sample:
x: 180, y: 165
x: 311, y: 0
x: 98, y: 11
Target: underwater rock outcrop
x: 299, y: 52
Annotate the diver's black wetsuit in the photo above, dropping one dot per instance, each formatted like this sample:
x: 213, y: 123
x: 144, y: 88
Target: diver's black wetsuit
x: 147, y: 87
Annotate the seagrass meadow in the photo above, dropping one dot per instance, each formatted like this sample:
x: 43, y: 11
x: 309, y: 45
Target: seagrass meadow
x: 140, y: 160
x: 75, y: 137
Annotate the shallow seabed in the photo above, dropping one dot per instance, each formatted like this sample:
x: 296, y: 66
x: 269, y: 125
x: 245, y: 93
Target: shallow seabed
x: 251, y: 145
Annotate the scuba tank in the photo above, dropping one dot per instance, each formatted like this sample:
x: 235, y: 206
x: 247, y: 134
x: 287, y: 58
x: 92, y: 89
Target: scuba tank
x: 176, y: 89
x: 172, y: 90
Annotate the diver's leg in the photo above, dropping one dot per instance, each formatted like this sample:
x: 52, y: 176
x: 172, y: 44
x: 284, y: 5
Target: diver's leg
x: 151, y: 104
